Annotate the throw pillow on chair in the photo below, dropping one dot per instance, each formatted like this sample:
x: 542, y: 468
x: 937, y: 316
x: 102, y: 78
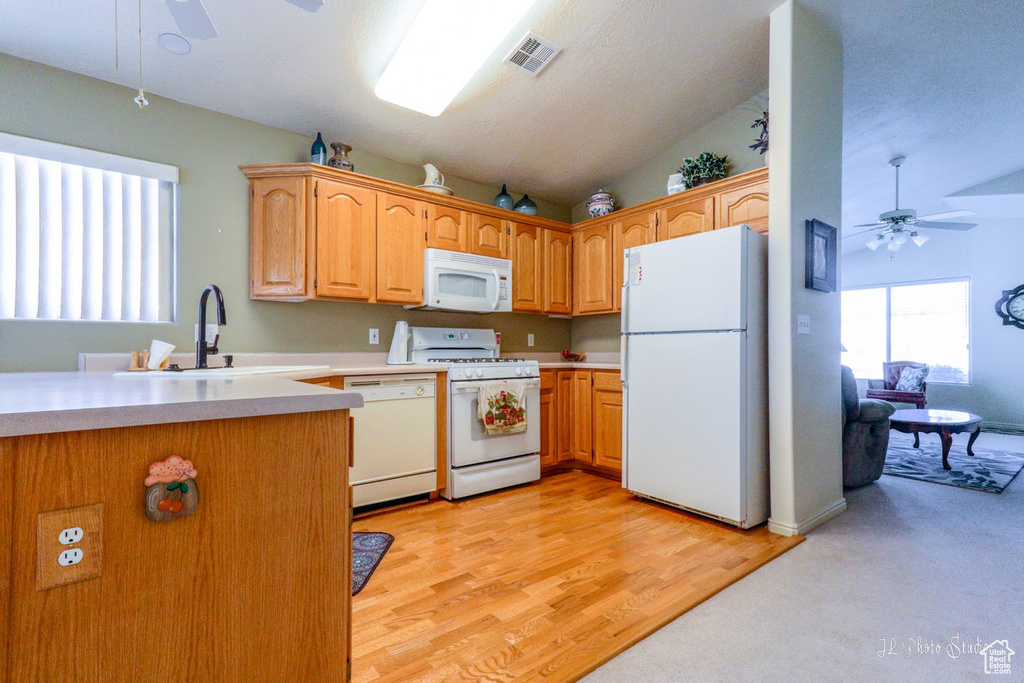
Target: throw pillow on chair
x: 912, y: 379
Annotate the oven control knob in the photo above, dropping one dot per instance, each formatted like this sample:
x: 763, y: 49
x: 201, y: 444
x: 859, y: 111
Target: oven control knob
x: 479, y: 372
x: 519, y: 371
x: 529, y: 371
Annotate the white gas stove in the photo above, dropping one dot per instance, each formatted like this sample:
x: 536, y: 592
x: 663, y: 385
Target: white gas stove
x: 478, y: 461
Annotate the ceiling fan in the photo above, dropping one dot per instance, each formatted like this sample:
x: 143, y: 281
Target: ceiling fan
x: 194, y: 22
x: 895, y: 227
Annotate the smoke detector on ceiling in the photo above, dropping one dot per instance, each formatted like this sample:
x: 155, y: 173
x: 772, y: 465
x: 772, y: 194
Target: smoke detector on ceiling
x: 532, y: 54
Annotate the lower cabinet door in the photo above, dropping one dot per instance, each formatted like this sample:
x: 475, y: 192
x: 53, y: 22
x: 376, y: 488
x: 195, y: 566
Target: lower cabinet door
x: 607, y: 418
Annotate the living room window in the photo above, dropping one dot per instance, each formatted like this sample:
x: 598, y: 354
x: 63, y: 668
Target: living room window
x: 85, y: 235
x: 925, y: 322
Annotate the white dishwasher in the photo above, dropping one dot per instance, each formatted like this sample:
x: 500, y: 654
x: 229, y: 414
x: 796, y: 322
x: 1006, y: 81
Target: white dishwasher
x: 395, y: 444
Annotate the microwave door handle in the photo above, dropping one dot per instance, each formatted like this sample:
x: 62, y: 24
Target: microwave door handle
x: 497, y: 289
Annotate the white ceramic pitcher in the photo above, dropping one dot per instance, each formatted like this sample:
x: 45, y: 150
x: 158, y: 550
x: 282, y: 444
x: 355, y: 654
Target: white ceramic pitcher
x: 434, y: 177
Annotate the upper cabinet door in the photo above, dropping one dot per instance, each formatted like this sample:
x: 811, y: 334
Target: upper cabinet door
x: 278, y: 238
x: 527, y: 268
x: 592, y: 265
x: 748, y: 204
x: 401, y: 224
x: 346, y: 241
x: 632, y: 232
x: 557, y: 272
x: 686, y: 218
x: 446, y: 228
x: 488, y: 236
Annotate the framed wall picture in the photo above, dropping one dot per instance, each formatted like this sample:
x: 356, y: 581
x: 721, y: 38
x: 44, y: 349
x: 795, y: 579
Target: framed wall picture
x: 819, y: 256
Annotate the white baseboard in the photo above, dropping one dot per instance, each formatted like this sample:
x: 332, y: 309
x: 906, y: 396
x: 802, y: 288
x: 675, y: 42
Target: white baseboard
x: 800, y: 528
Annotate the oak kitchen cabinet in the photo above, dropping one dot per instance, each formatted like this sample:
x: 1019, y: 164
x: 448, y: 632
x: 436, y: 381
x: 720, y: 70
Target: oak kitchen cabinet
x: 527, y: 254
x: 592, y: 270
x: 581, y: 420
x: 558, y: 272
x: 318, y: 232
x: 401, y: 224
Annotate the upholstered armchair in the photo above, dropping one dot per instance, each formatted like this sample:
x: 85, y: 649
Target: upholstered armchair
x: 887, y: 389
x: 865, y: 434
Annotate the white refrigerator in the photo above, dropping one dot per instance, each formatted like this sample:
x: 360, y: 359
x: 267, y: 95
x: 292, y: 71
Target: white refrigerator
x: 694, y: 374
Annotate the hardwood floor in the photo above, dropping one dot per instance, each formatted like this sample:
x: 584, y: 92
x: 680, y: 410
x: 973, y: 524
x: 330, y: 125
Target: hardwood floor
x: 541, y: 582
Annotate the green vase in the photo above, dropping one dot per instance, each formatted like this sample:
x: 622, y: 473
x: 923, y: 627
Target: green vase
x: 318, y: 153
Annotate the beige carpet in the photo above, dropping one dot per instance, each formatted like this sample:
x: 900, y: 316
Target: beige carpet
x: 908, y: 560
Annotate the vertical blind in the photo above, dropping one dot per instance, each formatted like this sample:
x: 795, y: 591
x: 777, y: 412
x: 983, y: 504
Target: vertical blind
x: 84, y: 235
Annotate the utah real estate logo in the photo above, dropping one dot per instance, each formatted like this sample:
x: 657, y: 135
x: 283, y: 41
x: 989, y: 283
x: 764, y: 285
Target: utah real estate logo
x: 997, y: 657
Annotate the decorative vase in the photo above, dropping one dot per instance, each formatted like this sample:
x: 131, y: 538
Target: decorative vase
x: 340, y: 158
x: 601, y: 204
x: 504, y: 200
x: 526, y: 205
x: 318, y: 153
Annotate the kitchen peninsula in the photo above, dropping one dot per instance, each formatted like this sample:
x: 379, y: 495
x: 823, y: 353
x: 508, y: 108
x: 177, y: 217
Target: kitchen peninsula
x: 201, y: 597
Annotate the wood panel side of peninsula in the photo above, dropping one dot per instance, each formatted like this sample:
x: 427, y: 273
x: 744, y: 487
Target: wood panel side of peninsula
x: 255, y: 585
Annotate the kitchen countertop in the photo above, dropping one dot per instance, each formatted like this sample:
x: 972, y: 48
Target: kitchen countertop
x: 47, y: 402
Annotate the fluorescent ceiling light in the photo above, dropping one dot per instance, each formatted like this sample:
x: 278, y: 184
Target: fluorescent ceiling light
x: 445, y: 46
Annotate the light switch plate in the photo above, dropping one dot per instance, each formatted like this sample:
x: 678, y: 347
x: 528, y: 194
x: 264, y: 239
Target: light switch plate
x: 50, y: 570
x: 374, y: 335
x: 803, y: 324
x: 529, y: 340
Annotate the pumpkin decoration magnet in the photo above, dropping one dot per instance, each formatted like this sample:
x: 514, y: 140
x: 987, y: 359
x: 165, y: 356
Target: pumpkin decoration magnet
x: 171, y: 490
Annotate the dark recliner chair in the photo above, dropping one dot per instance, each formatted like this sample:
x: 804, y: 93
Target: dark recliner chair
x: 865, y: 434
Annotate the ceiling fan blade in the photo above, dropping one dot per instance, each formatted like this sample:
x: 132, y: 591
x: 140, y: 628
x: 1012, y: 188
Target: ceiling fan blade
x: 192, y: 19
x: 944, y: 216
x: 945, y: 226
x: 871, y: 225
x: 872, y: 229
x: 308, y: 5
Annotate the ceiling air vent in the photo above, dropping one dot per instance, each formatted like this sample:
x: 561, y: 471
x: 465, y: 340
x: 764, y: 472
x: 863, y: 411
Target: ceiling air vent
x: 532, y: 54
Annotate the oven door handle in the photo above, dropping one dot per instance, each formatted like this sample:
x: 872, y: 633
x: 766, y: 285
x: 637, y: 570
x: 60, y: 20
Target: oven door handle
x: 475, y: 386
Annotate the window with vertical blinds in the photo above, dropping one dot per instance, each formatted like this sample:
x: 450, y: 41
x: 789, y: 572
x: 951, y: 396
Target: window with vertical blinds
x: 85, y: 235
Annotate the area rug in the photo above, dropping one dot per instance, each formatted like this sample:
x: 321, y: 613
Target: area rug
x: 987, y: 470
x: 368, y: 548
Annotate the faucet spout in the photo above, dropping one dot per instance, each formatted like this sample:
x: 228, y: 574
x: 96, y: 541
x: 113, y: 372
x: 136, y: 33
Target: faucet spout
x: 202, y: 347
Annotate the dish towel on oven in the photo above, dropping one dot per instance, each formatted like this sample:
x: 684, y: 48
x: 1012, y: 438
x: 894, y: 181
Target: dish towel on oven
x: 502, y: 406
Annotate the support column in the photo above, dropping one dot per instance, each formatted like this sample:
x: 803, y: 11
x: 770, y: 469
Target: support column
x: 805, y: 96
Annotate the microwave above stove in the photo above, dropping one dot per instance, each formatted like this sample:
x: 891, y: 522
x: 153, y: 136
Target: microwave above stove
x: 453, y: 281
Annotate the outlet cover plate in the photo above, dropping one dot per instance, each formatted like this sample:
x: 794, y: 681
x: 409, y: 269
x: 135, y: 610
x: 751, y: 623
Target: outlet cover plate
x: 49, y: 572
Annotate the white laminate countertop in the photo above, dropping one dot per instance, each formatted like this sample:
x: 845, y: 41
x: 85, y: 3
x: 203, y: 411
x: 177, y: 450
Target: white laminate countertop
x: 46, y: 402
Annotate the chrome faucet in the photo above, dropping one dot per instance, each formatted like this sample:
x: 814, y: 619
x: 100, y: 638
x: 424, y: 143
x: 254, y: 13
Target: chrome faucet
x: 202, y: 348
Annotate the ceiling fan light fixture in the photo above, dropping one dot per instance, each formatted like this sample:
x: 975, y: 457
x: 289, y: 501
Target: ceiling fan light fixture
x: 919, y: 239
x: 875, y: 243
x: 425, y: 74
x: 174, y: 44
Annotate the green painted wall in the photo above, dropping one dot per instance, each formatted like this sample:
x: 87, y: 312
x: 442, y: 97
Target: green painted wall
x: 51, y: 104
x: 729, y: 134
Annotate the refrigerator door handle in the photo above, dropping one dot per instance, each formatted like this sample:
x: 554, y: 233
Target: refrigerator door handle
x: 625, y: 290
x: 623, y: 366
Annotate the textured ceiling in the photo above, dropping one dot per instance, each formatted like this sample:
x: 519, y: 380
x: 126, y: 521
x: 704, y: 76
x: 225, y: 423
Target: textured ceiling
x: 939, y: 81
x: 633, y: 77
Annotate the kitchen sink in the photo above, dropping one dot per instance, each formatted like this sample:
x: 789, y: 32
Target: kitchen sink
x: 226, y: 373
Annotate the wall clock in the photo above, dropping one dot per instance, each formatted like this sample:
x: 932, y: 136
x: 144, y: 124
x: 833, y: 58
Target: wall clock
x: 1011, y: 307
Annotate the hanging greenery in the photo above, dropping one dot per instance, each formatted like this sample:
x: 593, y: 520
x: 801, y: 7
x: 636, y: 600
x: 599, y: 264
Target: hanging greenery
x: 706, y: 167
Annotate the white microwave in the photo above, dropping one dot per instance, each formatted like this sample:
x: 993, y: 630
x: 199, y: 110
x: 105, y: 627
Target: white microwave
x: 454, y: 281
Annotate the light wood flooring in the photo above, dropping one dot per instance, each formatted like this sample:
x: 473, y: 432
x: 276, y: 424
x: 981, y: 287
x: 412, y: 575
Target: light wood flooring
x: 541, y: 582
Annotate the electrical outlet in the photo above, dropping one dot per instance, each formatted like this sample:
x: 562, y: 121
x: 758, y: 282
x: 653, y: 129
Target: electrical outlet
x: 803, y: 324
x: 70, y: 536
x: 374, y: 335
x: 529, y: 339
x: 69, y: 546
x: 70, y: 557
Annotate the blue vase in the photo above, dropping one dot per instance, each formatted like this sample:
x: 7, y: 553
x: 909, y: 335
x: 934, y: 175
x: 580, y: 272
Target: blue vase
x: 504, y: 200
x: 318, y: 153
x: 526, y: 205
